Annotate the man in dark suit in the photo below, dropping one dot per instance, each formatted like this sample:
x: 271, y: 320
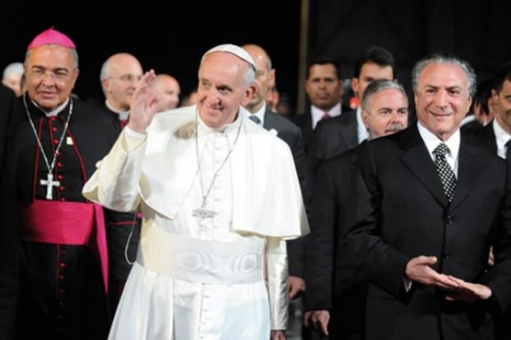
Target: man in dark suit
x: 283, y: 128
x: 343, y: 132
x: 422, y: 243
x: 9, y: 229
x: 323, y: 86
x: 384, y: 111
x: 482, y: 110
x: 496, y: 136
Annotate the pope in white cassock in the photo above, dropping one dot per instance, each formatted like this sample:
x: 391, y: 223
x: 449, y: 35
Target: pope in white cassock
x: 219, y: 196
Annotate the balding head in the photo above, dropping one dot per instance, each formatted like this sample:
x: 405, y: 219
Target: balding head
x: 166, y: 90
x: 119, y: 77
x: 265, y: 76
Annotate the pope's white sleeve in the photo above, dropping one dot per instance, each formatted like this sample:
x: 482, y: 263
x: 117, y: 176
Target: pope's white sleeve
x: 114, y: 184
x: 277, y: 274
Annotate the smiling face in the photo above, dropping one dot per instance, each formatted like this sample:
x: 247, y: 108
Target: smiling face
x: 50, y: 75
x: 222, y: 88
x: 442, y: 98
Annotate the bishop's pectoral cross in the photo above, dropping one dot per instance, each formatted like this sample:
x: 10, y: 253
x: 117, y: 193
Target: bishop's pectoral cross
x: 50, y: 183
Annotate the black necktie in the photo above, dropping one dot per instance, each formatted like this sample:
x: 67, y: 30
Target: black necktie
x: 255, y: 119
x: 445, y: 172
x: 508, y: 150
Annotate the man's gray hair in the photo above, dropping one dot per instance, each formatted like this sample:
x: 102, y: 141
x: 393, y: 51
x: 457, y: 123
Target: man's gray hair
x: 445, y: 58
x: 377, y: 86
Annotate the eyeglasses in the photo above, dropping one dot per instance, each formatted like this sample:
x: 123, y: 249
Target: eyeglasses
x: 41, y: 73
x: 128, y: 78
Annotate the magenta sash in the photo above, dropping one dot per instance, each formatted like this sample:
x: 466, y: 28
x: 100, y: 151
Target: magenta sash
x: 71, y: 223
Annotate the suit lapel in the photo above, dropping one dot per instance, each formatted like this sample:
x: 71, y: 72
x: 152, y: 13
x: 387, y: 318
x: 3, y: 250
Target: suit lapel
x: 469, y: 171
x: 269, y: 121
x: 349, y: 128
x: 418, y: 160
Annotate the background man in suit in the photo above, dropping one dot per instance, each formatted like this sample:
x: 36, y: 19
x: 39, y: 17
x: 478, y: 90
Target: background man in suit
x: 324, y: 90
x: 497, y: 137
x: 289, y: 133
x: 423, y: 243
x: 334, y: 136
x: 384, y: 111
x: 497, y: 133
x: 482, y: 110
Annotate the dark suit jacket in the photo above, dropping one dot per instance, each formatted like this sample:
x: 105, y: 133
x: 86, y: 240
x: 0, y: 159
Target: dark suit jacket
x: 329, y: 204
x: 304, y: 122
x: 291, y: 134
x: 399, y: 211
x: 10, y: 227
x: 332, y: 137
x: 487, y: 138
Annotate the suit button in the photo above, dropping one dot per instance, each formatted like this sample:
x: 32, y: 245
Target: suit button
x: 446, y: 255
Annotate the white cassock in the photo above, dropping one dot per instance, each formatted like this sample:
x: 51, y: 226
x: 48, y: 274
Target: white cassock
x: 221, y: 277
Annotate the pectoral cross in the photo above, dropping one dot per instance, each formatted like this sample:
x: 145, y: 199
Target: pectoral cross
x: 202, y: 213
x: 50, y: 183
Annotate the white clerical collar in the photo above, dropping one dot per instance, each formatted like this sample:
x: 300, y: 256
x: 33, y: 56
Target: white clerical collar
x: 228, y: 128
x: 53, y: 112
x: 123, y: 115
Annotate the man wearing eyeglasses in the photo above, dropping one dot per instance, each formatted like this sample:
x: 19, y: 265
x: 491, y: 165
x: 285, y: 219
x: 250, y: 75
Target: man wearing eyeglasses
x: 120, y: 75
x: 56, y: 140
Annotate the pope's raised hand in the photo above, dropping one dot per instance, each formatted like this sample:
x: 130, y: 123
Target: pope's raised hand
x: 142, y: 108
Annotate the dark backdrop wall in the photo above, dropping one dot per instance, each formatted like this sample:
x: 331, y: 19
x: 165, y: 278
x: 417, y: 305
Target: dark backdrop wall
x: 479, y: 31
x: 168, y: 36
x: 171, y: 37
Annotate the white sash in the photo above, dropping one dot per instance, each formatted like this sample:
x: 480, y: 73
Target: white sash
x: 202, y: 261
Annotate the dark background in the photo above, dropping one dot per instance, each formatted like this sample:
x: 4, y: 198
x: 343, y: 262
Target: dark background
x: 169, y: 37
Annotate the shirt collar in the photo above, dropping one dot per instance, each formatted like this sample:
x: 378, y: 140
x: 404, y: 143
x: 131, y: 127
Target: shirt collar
x: 260, y: 113
x: 502, y: 137
x: 432, y: 141
x: 317, y: 113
